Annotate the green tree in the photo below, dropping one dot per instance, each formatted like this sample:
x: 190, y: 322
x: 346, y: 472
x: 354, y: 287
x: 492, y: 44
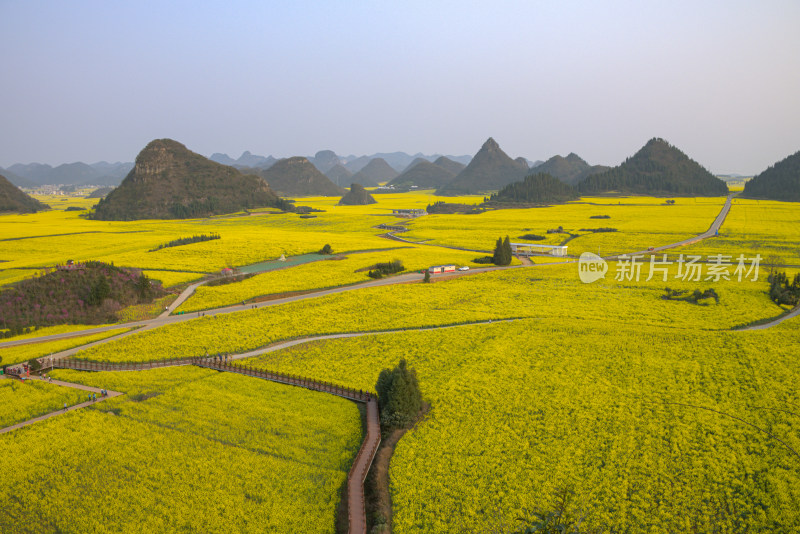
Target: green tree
x: 427, y: 278
x: 507, y: 253
x: 502, y: 252
x: 144, y: 288
x: 497, y: 257
x: 100, y: 291
x: 399, y: 397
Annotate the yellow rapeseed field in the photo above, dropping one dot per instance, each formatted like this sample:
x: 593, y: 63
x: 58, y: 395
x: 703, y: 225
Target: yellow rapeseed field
x: 185, y: 450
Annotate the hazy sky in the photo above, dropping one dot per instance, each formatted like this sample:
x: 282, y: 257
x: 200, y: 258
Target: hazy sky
x: 89, y: 81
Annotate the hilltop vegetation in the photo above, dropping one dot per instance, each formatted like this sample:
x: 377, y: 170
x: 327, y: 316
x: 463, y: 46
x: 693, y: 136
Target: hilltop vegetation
x: 89, y: 293
x: 658, y: 168
x: 539, y: 188
x: 169, y: 181
x: 779, y: 182
x: 357, y: 196
x: 296, y: 176
x: 12, y: 199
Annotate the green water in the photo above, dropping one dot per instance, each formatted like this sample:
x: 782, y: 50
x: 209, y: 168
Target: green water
x: 275, y: 264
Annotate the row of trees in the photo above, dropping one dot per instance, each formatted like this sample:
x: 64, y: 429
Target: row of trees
x: 187, y: 240
x: 502, y: 252
x: 385, y: 269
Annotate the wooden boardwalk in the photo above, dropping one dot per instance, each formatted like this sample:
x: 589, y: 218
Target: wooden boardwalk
x: 356, y: 509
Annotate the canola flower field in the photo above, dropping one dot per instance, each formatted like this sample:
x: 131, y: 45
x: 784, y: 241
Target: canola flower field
x: 545, y: 293
x: 655, y: 413
x: 641, y: 222
x: 337, y: 271
x: 186, y: 449
x: 649, y: 426
x: 23, y: 353
x: 23, y: 401
x: 768, y: 228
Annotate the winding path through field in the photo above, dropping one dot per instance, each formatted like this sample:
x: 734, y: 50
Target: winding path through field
x: 68, y: 409
x: 401, y: 279
x: 369, y: 446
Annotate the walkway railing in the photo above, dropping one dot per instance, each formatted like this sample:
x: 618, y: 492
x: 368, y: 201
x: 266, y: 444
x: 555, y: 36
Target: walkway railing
x: 366, y: 453
x: 294, y: 380
x: 82, y: 365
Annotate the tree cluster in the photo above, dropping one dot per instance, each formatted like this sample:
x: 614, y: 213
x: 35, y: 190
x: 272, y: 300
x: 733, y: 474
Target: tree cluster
x: 784, y: 291
x: 186, y: 241
x: 695, y: 297
x: 384, y: 269
x: 399, y: 396
x: 502, y: 252
x: 453, y: 207
x: 598, y: 230
x: 89, y: 293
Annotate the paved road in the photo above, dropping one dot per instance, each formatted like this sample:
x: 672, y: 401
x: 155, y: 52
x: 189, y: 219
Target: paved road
x: 711, y: 232
x: 401, y: 279
x: 794, y: 313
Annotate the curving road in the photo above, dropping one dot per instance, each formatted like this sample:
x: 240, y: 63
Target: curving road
x: 400, y: 279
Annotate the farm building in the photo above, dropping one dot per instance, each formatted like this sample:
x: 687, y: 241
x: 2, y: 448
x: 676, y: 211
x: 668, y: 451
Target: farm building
x: 409, y: 214
x: 438, y: 269
x: 527, y: 249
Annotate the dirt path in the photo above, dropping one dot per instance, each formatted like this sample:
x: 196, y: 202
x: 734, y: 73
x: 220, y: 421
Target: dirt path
x: 111, y: 394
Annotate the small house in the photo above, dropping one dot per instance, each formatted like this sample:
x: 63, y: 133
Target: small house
x: 440, y: 269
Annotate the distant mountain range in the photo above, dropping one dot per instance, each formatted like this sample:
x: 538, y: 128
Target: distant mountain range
x: 658, y: 168
x: 36, y: 174
x: 245, y: 161
x: 428, y: 175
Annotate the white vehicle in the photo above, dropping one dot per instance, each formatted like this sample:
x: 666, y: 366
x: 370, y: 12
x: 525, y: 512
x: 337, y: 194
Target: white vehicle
x: 464, y: 268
